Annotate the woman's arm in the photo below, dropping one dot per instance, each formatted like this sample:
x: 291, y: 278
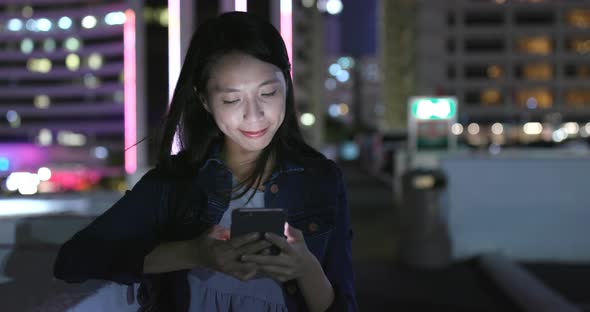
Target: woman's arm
x: 337, y: 262
x: 114, y: 245
x: 315, y: 287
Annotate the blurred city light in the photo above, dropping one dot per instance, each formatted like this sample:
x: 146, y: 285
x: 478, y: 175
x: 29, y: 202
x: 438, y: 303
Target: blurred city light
x: 343, y: 76
x: 68, y: 138
x: 433, y: 108
x: 330, y: 84
x: 12, y: 116
x: 27, y: 11
x: 41, y: 65
x: 101, y: 152
x: 64, y: 23
x: 27, y: 46
x: 497, y: 128
x: 532, y: 103
x: 307, y: 119
x: 31, y: 25
x: 91, y: 81
x: 73, y: 62
x: 95, y: 61
x: 25, y: 182
x: 321, y: 5
x: 72, y: 44
x: 334, y: 110
x: 559, y: 135
x: 45, y: 138
x: 49, y: 45
x: 89, y: 22
x: 346, y: 62
x: 532, y: 128
x: 42, y: 101
x: 334, y: 7
x: 44, y: 174
x: 241, y: 5
x: 473, y: 128
x: 14, y: 24
x: 308, y: 3
x: 44, y: 24
x: 115, y: 18
x: 334, y: 69
x: 4, y: 164
x: 349, y: 151
x: 164, y: 18
x: 457, y: 129
x: 571, y: 128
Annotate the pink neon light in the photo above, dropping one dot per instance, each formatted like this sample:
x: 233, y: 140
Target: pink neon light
x: 174, y: 60
x: 287, y: 28
x: 130, y: 86
x: 242, y: 5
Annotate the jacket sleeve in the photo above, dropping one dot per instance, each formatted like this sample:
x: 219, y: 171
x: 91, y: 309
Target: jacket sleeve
x: 114, y: 245
x: 338, y: 259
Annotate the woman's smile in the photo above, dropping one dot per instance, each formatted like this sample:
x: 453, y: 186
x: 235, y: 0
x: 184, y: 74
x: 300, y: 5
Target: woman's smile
x: 254, y: 134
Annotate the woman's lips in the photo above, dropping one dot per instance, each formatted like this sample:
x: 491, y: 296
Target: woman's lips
x: 254, y: 134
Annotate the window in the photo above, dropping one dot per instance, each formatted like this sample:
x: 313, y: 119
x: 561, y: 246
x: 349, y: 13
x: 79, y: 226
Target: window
x: 480, y: 45
x: 578, y: 45
x: 483, y: 71
x: 451, y: 73
x: 534, y: 98
x: 486, y: 97
x: 579, y: 18
x: 577, y: 70
x: 577, y: 97
x: 540, y: 71
x: 491, y: 97
x: 487, y: 18
x: 535, y: 18
x: 535, y: 45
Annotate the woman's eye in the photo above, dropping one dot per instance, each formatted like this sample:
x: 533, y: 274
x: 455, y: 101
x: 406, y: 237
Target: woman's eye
x: 230, y: 102
x: 270, y: 93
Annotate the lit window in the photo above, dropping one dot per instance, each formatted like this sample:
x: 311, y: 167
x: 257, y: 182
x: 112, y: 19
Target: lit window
x: 535, y: 45
x: 491, y: 97
x: 543, y: 98
x: 581, y: 46
x: 577, y: 97
x: 495, y: 72
x: 537, y: 71
x: 579, y: 18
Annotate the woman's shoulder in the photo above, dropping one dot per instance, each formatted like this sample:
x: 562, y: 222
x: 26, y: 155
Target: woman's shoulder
x: 322, y: 167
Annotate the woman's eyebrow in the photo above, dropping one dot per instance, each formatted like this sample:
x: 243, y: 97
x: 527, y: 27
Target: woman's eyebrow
x: 230, y: 90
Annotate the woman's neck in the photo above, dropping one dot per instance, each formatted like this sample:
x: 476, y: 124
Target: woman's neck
x: 241, y: 163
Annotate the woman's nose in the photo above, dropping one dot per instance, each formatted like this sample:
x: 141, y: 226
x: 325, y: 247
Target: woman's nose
x: 253, y: 110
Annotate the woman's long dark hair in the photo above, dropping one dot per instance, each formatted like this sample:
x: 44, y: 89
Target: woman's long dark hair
x: 197, y: 131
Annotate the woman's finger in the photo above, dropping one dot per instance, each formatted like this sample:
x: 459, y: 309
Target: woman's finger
x: 278, y: 241
x: 253, y: 248
x: 281, y: 261
x: 293, y: 234
x: 242, y: 240
x: 276, y: 272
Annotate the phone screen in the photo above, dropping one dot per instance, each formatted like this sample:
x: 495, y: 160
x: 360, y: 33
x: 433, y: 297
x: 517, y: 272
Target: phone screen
x: 261, y: 220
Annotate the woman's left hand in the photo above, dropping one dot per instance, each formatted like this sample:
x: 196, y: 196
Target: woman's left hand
x: 292, y: 262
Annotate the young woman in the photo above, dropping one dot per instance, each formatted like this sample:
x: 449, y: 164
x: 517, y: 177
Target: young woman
x: 233, y: 111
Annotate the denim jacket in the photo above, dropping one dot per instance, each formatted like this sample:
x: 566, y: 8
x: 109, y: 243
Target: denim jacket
x: 114, y: 245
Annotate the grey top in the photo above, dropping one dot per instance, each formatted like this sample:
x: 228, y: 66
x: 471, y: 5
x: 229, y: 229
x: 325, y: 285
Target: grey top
x: 216, y: 291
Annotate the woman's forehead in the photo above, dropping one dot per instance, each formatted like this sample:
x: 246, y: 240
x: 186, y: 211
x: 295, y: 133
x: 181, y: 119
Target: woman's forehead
x: 235, y: 70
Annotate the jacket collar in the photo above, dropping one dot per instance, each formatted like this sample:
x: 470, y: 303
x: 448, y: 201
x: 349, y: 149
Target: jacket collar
x: 284, y: 165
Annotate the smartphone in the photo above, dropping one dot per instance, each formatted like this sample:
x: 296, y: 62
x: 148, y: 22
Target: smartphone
x: 261, y: 220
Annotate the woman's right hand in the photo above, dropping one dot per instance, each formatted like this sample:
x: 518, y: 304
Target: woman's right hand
x: 214, y: 250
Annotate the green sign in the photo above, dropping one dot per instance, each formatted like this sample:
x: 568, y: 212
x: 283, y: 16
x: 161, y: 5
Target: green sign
x: 434, y: 108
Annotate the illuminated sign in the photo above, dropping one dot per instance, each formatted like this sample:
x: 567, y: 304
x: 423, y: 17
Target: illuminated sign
x: 433, y: 108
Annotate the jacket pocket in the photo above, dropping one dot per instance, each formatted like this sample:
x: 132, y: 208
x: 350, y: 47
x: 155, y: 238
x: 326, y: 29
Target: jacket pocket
x: 316, y: 228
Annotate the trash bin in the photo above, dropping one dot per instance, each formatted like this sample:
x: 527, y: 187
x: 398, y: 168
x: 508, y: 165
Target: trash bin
x: 424, y: 240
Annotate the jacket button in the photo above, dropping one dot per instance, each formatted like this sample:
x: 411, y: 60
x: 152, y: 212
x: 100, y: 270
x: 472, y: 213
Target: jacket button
x: 312, y: 227
x: 274, y: 188
x: 291, y: 288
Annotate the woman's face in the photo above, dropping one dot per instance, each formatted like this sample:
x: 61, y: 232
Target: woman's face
x: 246, y: 97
